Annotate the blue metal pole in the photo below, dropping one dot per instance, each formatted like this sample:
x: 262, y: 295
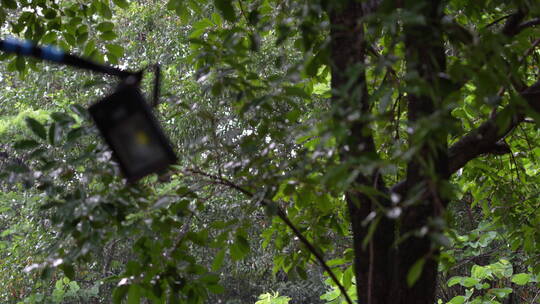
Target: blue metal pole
x: 55, y: 54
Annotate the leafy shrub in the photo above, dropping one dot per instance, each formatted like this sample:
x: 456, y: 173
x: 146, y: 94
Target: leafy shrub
x: 275, y: 298
x: 64, y: 290
x: 489, y: 284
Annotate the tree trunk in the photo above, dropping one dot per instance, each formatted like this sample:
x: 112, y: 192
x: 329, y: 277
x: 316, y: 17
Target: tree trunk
x: 373, y: 272
x: 428, y: 170
x: 381, y: 267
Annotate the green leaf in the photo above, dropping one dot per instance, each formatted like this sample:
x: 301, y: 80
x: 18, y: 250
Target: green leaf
x: 49, y: 13
x: 521, y: 278
x: 217, y: 289
x: 70, y: 39
x: 243, y: 243
x: 81, y: 38
x: 121, y: 3
x: 313, y: 65
x: 105, y: 26
x: 240, y: 248
x: 469, y: 282
x: 202, y: 24
x: 453, y: 281
x: 89, y: 48
x: 115, y: 50
x: 20, y: 64
x: 79, y: 110
x: 134, y: 294
x: 36, y: 127
x: 297, y: 92
x: 500, y: 292
x: 226, y: 9
x: 486, y: 238
x: 414, y: 273
x: 37, y: 153
x: 107, y: 36
x: 59, y: 284
x: 12, y: 4
x: 183, y: 12
x: 112, y: 58
x: 480, y: 272
x: 3, y: 16
x: 104, y: 10
x: 25, y: 144
x: 54, y: 133
x: 17, y: 168
x: 501, y: 269
x: 119, y: 293
x: 62, y: 118
x: 68, y: 270
x: 218, y: 260
x: 303, y: 274
x: 75, y: 134
x: 457, y: 300
x: 171, y: 4
x: 440, y: 239
x: 162, y: 202
x: 216, y: 18
x: 49, y: 38
x: 210, y: 279
x: 82, y: 29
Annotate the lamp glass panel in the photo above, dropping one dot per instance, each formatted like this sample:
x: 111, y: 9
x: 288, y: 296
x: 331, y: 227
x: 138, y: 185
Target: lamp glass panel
x: 130, y: 129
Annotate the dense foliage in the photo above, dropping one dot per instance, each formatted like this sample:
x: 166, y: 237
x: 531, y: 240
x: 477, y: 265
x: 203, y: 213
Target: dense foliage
x: 251, y: 102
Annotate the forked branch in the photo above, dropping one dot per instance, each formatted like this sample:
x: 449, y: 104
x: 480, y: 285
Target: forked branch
x: 283, y: 216
x: 486, y: 137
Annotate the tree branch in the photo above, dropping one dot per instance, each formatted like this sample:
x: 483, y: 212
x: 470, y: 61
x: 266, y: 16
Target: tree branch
x: 283, y: 216
x: 528, y: 24
x: 425, y: 56
x: 512, y: 24
x: 485, y: 138
x: 348, y: 48
x: 498, y: 20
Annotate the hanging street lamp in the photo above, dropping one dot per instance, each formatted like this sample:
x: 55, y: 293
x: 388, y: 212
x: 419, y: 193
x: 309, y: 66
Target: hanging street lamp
x: 124, y: 118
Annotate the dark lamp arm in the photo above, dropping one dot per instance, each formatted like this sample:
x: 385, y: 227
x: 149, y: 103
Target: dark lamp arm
x: 55, y: 54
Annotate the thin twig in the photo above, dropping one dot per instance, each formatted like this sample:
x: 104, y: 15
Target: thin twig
x: 471, y: 259
x: 528, y: 140
x: 157, y: 85
x: 529, y: 50
x: 498, y: 20
x: 283, y: 216
x: 370, y: 276
x: 502, y: 90
x: 242, y: 10
x: 536, y: 296
x: 393, y: 72
x: 181, y: 235
x: 516, y: 167
x: 529, y: 23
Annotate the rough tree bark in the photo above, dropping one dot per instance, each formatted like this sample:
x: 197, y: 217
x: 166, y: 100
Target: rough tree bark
x: 428, y: 169
x: 381, y: 266
x: 373, y: 272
